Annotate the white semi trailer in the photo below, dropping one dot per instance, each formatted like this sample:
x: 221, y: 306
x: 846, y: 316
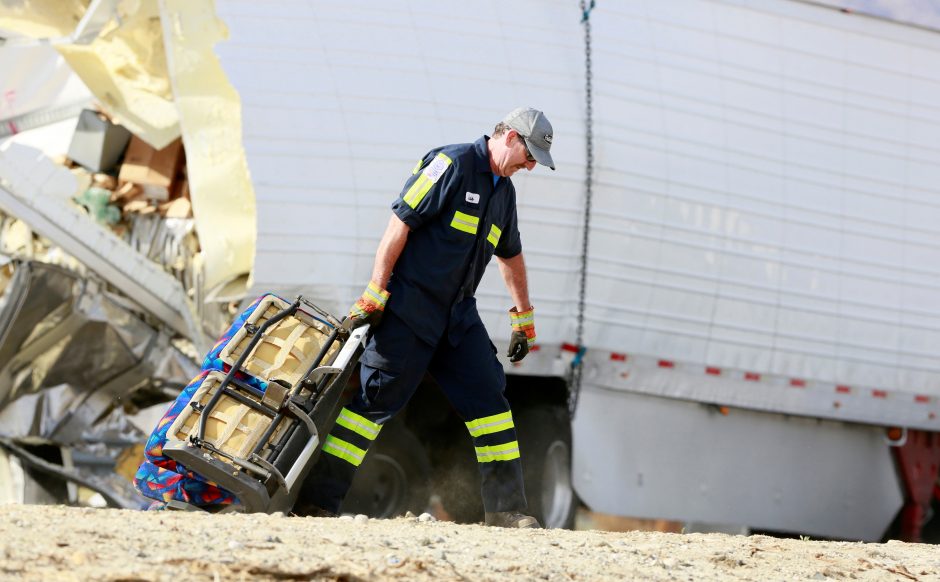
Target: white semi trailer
x: 763, y: 234
x: 761, y: 315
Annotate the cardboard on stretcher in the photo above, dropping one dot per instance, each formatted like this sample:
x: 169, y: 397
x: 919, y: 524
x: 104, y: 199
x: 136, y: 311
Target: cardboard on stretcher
x: 231, y: 426
x: 288, y: 348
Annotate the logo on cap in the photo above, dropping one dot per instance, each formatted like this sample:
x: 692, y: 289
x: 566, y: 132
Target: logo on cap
x: 548, y: 138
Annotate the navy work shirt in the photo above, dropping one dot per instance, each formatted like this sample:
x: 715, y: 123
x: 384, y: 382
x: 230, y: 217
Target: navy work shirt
x: 459, y: 219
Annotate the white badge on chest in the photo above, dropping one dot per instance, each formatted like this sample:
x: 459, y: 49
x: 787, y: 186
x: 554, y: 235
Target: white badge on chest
x: 473, y: 198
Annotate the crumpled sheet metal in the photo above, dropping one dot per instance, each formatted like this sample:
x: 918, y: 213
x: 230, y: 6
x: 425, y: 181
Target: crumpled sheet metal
x: 69, y: 352
x: 72, y: 358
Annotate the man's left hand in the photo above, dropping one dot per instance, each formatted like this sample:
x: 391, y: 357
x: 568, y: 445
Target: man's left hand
x: 523, y: 333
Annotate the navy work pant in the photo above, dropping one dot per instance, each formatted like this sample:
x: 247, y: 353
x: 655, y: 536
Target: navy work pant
x: 393, y: 365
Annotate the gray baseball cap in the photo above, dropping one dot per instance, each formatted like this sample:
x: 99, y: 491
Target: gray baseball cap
x: 535, y: 129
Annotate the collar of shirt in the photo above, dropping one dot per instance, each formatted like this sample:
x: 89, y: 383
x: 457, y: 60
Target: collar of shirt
x: 482, y: 162
x: 482, y: 154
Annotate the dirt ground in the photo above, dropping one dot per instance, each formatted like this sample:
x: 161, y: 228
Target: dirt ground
x: 63, y: 543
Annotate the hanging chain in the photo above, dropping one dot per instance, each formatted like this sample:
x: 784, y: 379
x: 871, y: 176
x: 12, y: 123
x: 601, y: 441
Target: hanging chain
x: 577, y: 364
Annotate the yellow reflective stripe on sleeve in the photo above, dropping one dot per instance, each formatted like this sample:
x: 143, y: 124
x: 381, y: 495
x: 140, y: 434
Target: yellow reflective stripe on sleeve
x: 418, y: 191
x: 495, y: 233
x: 417, y: 166
x: 358, y: 424
x: 506, y: 452
x: 490, y: 424
x: 345, y: 451
x: 426, y: 180
x: 465, y: 222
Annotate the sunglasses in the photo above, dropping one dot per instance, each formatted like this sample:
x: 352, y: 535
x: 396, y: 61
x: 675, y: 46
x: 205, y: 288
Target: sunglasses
x: 528, y: 154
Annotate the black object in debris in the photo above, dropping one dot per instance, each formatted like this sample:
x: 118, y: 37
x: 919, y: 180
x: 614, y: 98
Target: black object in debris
x: 97, y: 143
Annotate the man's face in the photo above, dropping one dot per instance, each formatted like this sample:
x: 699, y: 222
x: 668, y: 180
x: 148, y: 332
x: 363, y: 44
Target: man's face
x: 514, y: 156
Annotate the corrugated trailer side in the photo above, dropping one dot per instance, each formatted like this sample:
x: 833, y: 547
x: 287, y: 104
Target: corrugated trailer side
x: 762, y: 237
x: 764, y: 241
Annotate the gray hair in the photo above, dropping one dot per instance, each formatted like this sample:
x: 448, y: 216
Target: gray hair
x: 502, y: 128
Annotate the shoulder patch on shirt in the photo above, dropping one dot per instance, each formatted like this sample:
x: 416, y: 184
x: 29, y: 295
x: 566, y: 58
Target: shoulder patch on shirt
x: 437, y: 167
x: 422, y: 185
x: 473, y: 198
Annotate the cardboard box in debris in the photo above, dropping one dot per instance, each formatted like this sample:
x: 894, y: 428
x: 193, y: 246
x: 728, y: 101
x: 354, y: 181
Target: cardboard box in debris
x: 124, y: 175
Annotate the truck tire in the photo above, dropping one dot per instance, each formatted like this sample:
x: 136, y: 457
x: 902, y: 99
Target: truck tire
x: 394, y: 477
x: 930, y: 533
x: 544, y: 434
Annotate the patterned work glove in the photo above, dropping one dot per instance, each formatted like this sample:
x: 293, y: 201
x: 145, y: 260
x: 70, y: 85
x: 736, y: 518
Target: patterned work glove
x: 523, y: 333
x: 368, y: 308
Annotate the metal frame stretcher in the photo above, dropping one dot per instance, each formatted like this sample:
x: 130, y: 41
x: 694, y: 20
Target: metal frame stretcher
x: 253, y: 427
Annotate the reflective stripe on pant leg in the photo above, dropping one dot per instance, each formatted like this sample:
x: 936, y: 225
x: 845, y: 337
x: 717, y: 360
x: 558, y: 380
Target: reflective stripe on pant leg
x: 345, y: 451
x: 504, y: 452
x: 487, y: 450
x: 358, y: 424
x: 351, y: 436
x: 497, y: 451
x: 490, y: 424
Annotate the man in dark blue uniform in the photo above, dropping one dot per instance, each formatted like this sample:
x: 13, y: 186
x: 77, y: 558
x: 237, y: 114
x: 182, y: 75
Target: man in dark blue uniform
x: 455, y: 212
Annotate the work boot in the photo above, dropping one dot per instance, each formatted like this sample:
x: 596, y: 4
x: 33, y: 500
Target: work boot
x: 511, y: 519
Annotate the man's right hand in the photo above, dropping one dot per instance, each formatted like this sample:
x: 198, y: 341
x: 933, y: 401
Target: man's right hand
x: 368, y: 308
